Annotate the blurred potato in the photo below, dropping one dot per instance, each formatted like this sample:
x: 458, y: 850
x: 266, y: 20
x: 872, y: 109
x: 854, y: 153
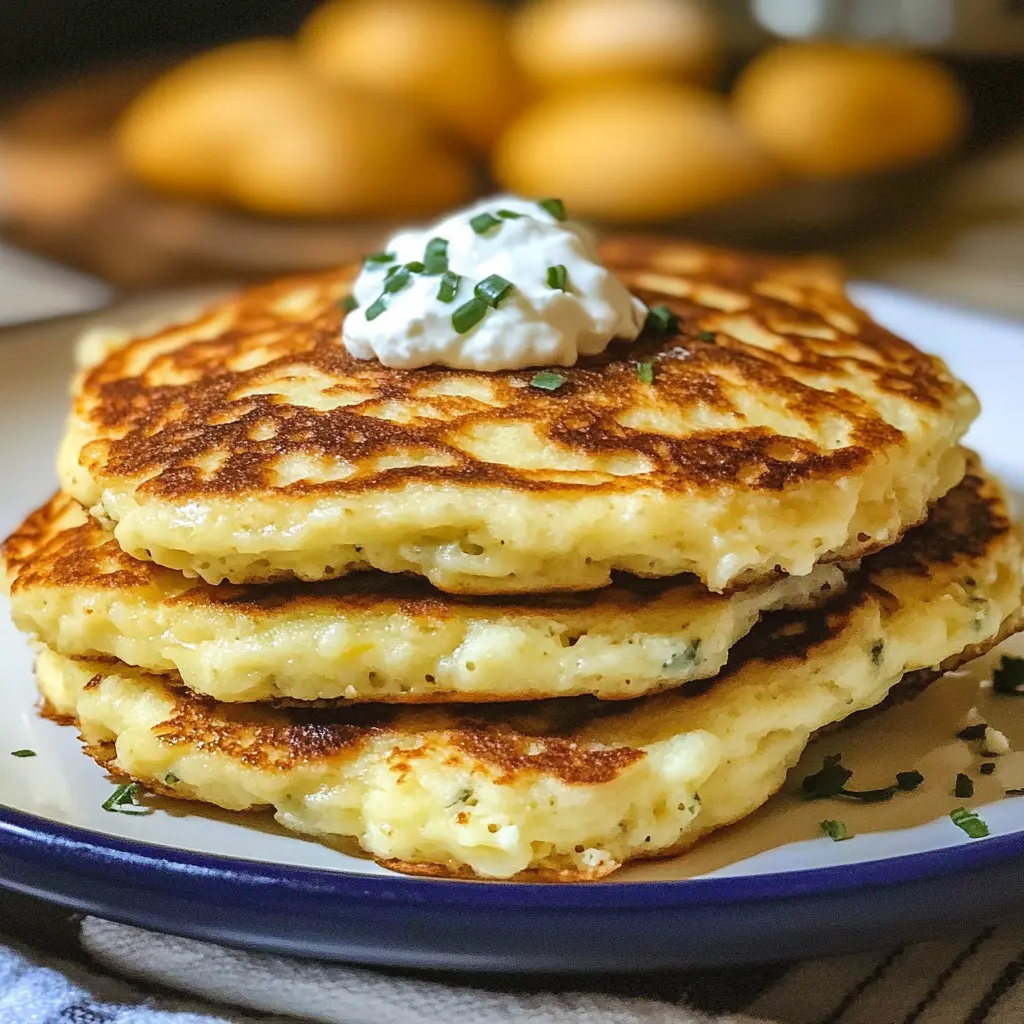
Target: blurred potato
x: 641, y: 152
x: 447, y: 57
x: 249, y: 124
x: 827, y: 110
x: 572, y: 41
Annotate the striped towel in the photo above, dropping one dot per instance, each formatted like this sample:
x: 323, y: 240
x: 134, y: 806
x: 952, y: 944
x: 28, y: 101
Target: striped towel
x: 977, y: 979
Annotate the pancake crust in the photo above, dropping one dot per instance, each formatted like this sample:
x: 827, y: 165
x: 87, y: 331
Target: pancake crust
x: 783, y: 428
x: 374, y: 636
x: 570, y: 788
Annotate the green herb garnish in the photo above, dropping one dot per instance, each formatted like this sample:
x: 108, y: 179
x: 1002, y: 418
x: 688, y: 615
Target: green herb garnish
x: 645, y: 371
x: 987, y: 768
x: 1008, y: 678
x: 835, y: 830
x: 484, y: 222
x: 877, y: 652
x: 494, y: 290
x: 706, y: 335
x: 509, y: 215
x: 685, y: 658
x: 349, y: 303
x: 831, y: 781
x: 461, y: 797
x: 449, y: 286
x: 964, y: 787
x: 435, y: 256
x: 375, y: 308
x: 123, y: 798
x: 546, y: 380
x: 170, y: 779
x: 468, y: 315
x: 398, y: 280
x: 553, y: 206
x: 660, y: 320
x: 972, y: 732
x: 415, y: 267
x: 969, y: 822
x: 23, y: 753
x: 558, y: 278
x: 379, y: 258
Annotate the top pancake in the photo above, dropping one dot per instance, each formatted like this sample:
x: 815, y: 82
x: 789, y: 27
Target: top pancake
x: 783, y: 427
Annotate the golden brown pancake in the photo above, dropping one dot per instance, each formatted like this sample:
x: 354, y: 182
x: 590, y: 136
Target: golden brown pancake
x: 571, y: 788
x: 783, y: 427
x: 374, y: 636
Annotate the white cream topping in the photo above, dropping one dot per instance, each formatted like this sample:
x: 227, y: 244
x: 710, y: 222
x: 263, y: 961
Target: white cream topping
x: 535, y: 325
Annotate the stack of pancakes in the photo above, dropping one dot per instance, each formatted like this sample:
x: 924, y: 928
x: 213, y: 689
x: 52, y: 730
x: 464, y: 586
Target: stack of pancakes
x: 492, y: 628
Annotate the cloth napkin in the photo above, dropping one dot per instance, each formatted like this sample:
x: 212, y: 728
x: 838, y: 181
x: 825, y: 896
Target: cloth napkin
x: 975, y: 979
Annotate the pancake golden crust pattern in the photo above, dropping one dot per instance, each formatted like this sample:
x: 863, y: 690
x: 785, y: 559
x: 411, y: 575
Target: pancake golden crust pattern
x: 783, y: 427
x: 572, y: 788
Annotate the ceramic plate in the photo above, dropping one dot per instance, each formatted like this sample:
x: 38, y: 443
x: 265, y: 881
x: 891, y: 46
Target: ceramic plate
x: 769, y: 887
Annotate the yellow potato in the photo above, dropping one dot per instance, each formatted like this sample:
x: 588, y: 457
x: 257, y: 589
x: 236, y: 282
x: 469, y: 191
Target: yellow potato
x: 448, y: 57
x: 561, y: 41
x: 249, y: 124
x: 181, y: 131
x: 634, y: 152
x: 827, y: 110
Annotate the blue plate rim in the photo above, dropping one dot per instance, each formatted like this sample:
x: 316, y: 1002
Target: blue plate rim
x: 27, y: 835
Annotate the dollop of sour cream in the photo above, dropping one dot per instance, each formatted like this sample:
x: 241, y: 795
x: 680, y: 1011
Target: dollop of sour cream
x: 505, y: 284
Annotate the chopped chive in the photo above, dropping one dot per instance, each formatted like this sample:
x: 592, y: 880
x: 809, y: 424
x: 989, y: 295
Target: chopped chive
x: 375, y: 308
x: 123, y: 798
x: 23, y: 753
x: 987, y: 768
x: 509, y: 215
x: 397, y: 281
x: 449, y: 286
x: 553, y: 206
x: 484, y: 222
x: 547, y: 380
x: 379, y: 257
x: 171, y: 779
x: 660, y: 320
x: 969, y: 822
x: 684, y: 659
x: 558, y: 278
x: 349, y: 303
x: 435, y: 256
x: 829, y: 781
x: 468, y: 315
x: 494, y: 290
x: 706, y: 335
x: 835, y: 830
x: 461, y: 797
x: 972, y: 732
x: 645, y: 371
x: 964, y: 787
x: 1008, y: 678
x: 415, y: 267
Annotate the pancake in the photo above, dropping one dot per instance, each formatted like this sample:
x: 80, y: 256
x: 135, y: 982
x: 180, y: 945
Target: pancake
x: 374, y: 636
x: 570, y: 788
x: 782, y: 428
